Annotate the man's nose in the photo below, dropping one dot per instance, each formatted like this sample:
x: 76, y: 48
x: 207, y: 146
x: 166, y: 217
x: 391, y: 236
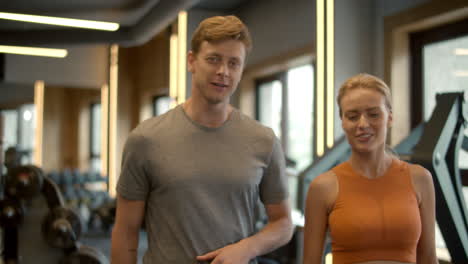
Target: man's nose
x: 223, y: 69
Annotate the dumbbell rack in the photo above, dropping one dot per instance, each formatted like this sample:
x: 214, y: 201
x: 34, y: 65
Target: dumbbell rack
x: 60, y: 229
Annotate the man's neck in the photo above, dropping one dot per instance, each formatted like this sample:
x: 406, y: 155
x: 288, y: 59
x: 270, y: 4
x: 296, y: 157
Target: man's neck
x: 208, y: 115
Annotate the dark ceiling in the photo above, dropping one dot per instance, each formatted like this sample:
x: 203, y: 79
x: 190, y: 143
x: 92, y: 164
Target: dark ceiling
x: 139, y: 20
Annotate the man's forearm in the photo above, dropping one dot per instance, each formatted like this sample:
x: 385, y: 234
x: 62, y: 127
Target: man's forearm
x: 274, y: 235
x: 124, y: 248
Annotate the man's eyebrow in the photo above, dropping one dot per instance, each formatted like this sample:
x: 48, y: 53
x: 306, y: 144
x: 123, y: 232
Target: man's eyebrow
x: 373, y: 108
x: 213, y: 54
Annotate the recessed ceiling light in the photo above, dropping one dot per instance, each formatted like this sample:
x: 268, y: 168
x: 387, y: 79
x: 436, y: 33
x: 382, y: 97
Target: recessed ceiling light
x: 57, y: 53
x: 59, y: 21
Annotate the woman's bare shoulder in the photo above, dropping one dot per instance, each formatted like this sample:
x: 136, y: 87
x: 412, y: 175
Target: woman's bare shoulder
x: 325, y: 188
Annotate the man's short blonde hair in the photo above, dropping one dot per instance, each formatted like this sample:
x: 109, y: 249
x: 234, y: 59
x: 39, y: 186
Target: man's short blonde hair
x: 220, y: 28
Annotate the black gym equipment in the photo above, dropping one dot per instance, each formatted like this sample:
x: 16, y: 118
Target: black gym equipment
x: 20, y: 210
x: 438, y: 151
x: 86, y: 255
x: 24, y: 182
x: 61, y: 228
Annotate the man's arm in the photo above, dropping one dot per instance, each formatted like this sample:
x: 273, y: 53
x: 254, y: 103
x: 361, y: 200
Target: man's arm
x: 276, y: 233
x: 129, y: 217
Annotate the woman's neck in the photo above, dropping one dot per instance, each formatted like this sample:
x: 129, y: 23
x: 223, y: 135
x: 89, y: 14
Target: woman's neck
x: 371, y: 165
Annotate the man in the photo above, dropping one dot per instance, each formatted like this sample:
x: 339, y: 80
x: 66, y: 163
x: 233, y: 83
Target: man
x: 195, y: 174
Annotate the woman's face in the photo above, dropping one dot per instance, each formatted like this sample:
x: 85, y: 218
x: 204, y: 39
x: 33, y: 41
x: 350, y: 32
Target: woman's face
x: 365, y: 119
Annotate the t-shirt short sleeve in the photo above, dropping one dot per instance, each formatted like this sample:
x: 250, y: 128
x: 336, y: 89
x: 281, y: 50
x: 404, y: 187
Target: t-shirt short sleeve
x: 133, y: 183
x: 274, y: 184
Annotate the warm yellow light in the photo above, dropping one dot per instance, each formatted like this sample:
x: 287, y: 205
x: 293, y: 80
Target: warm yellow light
x: 330, y: 73
x: 39, y: 119
x: 329, y: 258
x: 461, y: 73
x: 320, y: 77
x: 104, y: 129
x: 59, y: 21
x: 113, y: 97
x: 173, y: 75
x: 182, y: 56
x: 32, y: 51
x: 461, y: 52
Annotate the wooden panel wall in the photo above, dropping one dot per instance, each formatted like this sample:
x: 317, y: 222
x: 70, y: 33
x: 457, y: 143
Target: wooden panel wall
x: 143, y: 74
x: 66, y: 127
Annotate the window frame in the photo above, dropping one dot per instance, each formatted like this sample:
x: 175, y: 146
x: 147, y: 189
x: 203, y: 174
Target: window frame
x: 417, y: 42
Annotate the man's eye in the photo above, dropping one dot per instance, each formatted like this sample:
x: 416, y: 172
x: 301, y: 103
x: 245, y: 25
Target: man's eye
x: 234, y: 64
x: 212, y: 59
x: 352, y: 117
x: 374, y: 115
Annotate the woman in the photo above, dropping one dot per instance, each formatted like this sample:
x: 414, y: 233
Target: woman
x: 378, y: 209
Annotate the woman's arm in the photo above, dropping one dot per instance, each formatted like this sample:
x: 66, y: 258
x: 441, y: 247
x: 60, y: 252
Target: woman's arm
x: 424, y: 187
x: 320, y: 199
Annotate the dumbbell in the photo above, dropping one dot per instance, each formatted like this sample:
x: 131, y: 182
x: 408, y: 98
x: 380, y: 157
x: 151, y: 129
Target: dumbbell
x: 85, y: 255
x: 61, y: 228
x: 11, y: 213
x: 24, y: 181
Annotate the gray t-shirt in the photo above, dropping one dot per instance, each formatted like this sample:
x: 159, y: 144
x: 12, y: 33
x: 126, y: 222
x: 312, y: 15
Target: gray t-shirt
x: 200, y: 184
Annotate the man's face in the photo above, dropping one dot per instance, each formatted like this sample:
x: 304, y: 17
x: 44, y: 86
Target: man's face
x: 216, y: 70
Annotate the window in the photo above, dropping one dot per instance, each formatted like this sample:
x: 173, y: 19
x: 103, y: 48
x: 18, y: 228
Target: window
x: 26, y: 127
x: 285, y: 103
x: 18, y: 131
x: 95, y: 137
x: 10, y: 128
x: 161, y: 104
x: 10, y: 131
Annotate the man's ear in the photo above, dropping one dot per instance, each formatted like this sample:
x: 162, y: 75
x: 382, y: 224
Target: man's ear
x: 190, y: 61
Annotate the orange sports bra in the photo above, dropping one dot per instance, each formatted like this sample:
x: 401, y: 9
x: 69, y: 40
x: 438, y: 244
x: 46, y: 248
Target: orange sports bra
x: 375, y: 219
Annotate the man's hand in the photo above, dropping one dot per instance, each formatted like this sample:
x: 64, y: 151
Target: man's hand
x: 238, y: 253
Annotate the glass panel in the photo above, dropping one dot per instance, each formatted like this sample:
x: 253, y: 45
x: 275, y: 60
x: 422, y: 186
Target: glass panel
x: 96, y: 164
x: 270, y: 105
x: 162, y: 105
x: 26, y: 131
x: 95, y: 137
x: 96, y: 129
x: 10, y: 129
x: 300, y: 114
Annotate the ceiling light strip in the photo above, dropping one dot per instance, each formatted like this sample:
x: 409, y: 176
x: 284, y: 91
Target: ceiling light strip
x: 173, y: 75
x: 113, y: 119
x: 330, y: 62
x: 39, y: 119
x: 320, y: 77
x: 60, y: 21
x: 46, y: 52
x: 182, y: 56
